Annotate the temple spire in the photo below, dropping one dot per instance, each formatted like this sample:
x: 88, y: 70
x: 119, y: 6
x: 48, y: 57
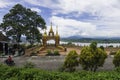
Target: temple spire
x: 51, y: 30
x: 56, y: 30
x: 45, y: 33
x: 51, y: 33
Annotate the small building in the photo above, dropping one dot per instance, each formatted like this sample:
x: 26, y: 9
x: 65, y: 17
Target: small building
x: 4, y: 44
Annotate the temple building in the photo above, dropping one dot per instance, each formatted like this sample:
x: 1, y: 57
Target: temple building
x: 4, y: 41
x: 51, y: 36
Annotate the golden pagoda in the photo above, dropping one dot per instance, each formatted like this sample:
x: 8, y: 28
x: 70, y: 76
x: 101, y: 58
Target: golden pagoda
x: 51, y: 36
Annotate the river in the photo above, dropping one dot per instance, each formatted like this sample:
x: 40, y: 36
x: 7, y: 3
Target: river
x: 87, y: 44
x: 99, y: 44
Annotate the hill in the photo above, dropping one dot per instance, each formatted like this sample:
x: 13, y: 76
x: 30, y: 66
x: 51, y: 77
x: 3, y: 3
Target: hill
x: 89, y: 39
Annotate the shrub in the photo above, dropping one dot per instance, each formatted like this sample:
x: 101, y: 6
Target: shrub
x: 117, y: 69
x: 29, y: 65
x: 50, y: 53
x: 71, y: 61
x: 112, y: 52
x: 92, y: 57
x: 101, y: 47
x: 116, y: 59
x: 13, y: 73
x: 56, y: 52
x: 110, y: 46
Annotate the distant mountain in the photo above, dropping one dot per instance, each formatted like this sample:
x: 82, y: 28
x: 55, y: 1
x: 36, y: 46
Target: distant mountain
x: 90, y: 39
x: 74, y: 37
x: 81, y: 37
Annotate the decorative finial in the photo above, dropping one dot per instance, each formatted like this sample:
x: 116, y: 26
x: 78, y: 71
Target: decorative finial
x: 51, y: 30
x: 45, y: 33
x: 56, y: 30
x: 51, y: 23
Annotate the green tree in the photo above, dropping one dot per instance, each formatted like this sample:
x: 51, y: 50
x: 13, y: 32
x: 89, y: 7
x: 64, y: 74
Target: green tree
x: 22, y: 21
x: 93, y: 45
x: 92, y: 57
x: 71, y: 61
x: 116, y: 59
x: 101, y: 47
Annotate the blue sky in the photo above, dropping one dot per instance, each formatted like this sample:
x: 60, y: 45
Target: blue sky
x: 87, y: 18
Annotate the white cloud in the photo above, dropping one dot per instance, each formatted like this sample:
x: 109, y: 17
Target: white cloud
x: 36, y: 9
x: 107, y: 14
x: 44, y: 3
x: 4, y: 3
x: 70, y: 27
x: 102, y: 8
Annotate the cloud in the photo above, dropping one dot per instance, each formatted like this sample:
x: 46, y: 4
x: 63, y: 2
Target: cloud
x: 77, y: 17
x: 70, y: 27
x: 36, y: 9
x: 52, y: 4
x: 94, y: 7
x: 4, y: 3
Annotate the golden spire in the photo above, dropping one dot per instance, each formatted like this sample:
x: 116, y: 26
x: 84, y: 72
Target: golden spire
x: 57, y: 31
x: 45, y: 33
x: 51, y: 30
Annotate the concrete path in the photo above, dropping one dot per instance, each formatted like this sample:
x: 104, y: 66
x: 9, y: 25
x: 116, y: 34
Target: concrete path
x: 53, y: 62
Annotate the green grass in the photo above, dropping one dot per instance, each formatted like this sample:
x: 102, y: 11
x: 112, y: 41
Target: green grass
x: 14, y: 73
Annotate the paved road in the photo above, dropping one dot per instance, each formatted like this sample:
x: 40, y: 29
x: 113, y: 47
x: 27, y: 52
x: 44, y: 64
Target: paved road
x: 53, y: 62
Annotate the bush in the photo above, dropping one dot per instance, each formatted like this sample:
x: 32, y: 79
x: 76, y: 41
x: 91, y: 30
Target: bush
x: 29, y: 65
x: 117, y: 69
x: 101, y: 47
x: 110, y: 46
x: 56, y: 52
x: 116, y: 59
x: 71, y: 61
x: 50, y: 53
x: 112, y: 52
x: 92, y: 57
x: 13, y: 73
